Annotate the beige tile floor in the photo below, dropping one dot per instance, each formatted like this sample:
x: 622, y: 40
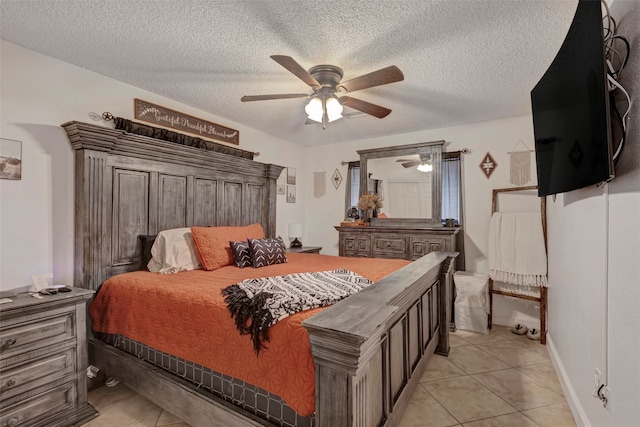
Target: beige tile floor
x: 494, y: 380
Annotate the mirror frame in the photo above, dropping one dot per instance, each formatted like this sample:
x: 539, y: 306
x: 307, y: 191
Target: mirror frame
x: 435, y: 148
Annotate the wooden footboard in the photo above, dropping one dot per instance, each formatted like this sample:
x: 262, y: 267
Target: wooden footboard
x: 371, y: 349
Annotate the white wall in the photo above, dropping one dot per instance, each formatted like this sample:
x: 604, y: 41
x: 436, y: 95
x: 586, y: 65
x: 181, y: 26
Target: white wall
x: 36, y: 213
x: 594, y: 274
x: 497, y: 137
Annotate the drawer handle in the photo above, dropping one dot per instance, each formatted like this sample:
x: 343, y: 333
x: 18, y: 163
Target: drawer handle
x: 12, y: 422
x: 11, y: 342
x: 11, y: 382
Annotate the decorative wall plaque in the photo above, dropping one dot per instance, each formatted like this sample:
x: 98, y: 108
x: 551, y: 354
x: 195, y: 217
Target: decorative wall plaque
x: 167, y: 117
x: 488, y: 165
x: 336, y: 178
x: 10, y: 159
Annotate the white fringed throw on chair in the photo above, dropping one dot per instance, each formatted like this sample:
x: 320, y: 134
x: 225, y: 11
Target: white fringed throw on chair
x: 517, y: 252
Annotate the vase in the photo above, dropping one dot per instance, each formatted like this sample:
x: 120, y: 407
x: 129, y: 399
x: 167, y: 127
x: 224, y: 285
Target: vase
x: 367, y: 215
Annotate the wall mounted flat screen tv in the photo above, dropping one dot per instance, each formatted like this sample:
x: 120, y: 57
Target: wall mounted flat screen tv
x: 570, y: 106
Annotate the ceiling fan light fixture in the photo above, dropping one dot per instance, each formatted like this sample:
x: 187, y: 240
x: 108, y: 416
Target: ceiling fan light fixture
x: 314, y: 109
x: 334, y: 109
x: 315, y: 112
x: 425, y: 167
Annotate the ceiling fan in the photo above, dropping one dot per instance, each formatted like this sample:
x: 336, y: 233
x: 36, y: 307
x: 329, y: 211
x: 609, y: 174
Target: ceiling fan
x: 325, y: 106
x: 423, y: 165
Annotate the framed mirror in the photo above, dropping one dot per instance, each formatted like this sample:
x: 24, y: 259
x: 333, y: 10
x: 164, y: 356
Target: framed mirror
x: 408, y: 179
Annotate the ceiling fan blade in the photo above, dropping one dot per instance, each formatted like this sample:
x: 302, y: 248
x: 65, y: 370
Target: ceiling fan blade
x: 365, y: 107
x: 405, y: 160
x: 410, y: 164
x: 296, y: 69
x: 384, y: 76
x: 355, y: 115
x: 275, y: 96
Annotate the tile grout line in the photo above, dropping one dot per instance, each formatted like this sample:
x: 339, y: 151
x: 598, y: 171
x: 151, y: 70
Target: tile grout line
x: 440, y: 403
x: 486, y: 390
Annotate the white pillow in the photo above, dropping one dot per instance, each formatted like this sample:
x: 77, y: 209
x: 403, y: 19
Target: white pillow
x: 173, y: 251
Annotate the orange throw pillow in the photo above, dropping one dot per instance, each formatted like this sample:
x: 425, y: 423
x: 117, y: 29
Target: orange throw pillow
x: 212, y: 243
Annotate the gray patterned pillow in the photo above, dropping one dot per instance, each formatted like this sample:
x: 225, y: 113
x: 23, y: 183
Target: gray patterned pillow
x: 241, y: 254
x: 267, y: 252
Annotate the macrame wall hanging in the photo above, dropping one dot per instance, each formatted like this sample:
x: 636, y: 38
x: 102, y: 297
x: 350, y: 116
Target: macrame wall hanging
x: 520, y: 164
x: 319, y: 183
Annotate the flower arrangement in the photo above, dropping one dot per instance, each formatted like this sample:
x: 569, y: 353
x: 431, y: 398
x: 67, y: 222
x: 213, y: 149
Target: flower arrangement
x: 370, y: 202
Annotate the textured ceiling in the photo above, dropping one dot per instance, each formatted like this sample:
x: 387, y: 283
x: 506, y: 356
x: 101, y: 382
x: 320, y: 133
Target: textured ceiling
x: 463, y: 61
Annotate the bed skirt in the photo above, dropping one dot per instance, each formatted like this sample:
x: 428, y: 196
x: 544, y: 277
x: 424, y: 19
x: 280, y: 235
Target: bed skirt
x: 255, y: 400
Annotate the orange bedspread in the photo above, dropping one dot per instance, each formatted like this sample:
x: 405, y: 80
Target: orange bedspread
x: 184, y: 314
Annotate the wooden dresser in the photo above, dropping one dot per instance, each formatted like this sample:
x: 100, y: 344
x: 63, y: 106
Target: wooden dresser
x: 43, y: 360
x: 391, y: 242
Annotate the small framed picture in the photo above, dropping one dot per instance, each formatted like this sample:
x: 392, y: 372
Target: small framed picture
x: 291, y: 176
x: 10, y: 159
x: 291, y: 193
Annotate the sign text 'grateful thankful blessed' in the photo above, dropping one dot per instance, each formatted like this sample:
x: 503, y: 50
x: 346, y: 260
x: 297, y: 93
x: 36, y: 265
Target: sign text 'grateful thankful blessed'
x: 153, y: 113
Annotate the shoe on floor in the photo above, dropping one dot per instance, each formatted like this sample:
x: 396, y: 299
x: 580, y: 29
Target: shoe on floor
x: 534, y: 334
x: 519, y: 329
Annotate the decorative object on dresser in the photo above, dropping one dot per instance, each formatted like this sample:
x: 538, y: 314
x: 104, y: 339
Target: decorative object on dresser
x: 369, y: 204
x: 295, y: 231
x: 43, y: 360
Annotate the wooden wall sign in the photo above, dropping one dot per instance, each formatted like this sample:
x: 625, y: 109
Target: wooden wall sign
x: 153, y: 113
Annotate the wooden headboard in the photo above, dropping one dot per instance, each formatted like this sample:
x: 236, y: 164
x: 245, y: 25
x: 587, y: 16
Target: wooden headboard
x: 127, y: 185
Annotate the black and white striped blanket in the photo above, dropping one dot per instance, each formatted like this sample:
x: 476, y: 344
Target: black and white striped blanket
x: 256, y: 304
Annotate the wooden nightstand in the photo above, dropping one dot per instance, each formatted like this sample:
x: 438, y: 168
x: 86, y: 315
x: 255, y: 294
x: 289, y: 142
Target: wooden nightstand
x: 43, y: 360
x: 306, y: 249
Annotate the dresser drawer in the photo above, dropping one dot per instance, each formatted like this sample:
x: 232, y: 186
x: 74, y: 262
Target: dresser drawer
x: 421, y: 246
x: 19, y: 337
x: 39, y: 409
x: 27, y: 371
x: 389, y: 246
x: 356, y: 246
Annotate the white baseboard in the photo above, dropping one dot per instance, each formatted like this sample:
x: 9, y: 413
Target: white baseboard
x: 579, y: 416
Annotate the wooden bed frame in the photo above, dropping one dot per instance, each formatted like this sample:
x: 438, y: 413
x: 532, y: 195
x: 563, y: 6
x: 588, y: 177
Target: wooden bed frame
x: 370, y: 349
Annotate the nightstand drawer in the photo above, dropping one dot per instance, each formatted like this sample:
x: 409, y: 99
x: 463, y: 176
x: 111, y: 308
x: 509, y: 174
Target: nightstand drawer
x: 35, y: 410
x: 21, y: 337
x: 27, y: 371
